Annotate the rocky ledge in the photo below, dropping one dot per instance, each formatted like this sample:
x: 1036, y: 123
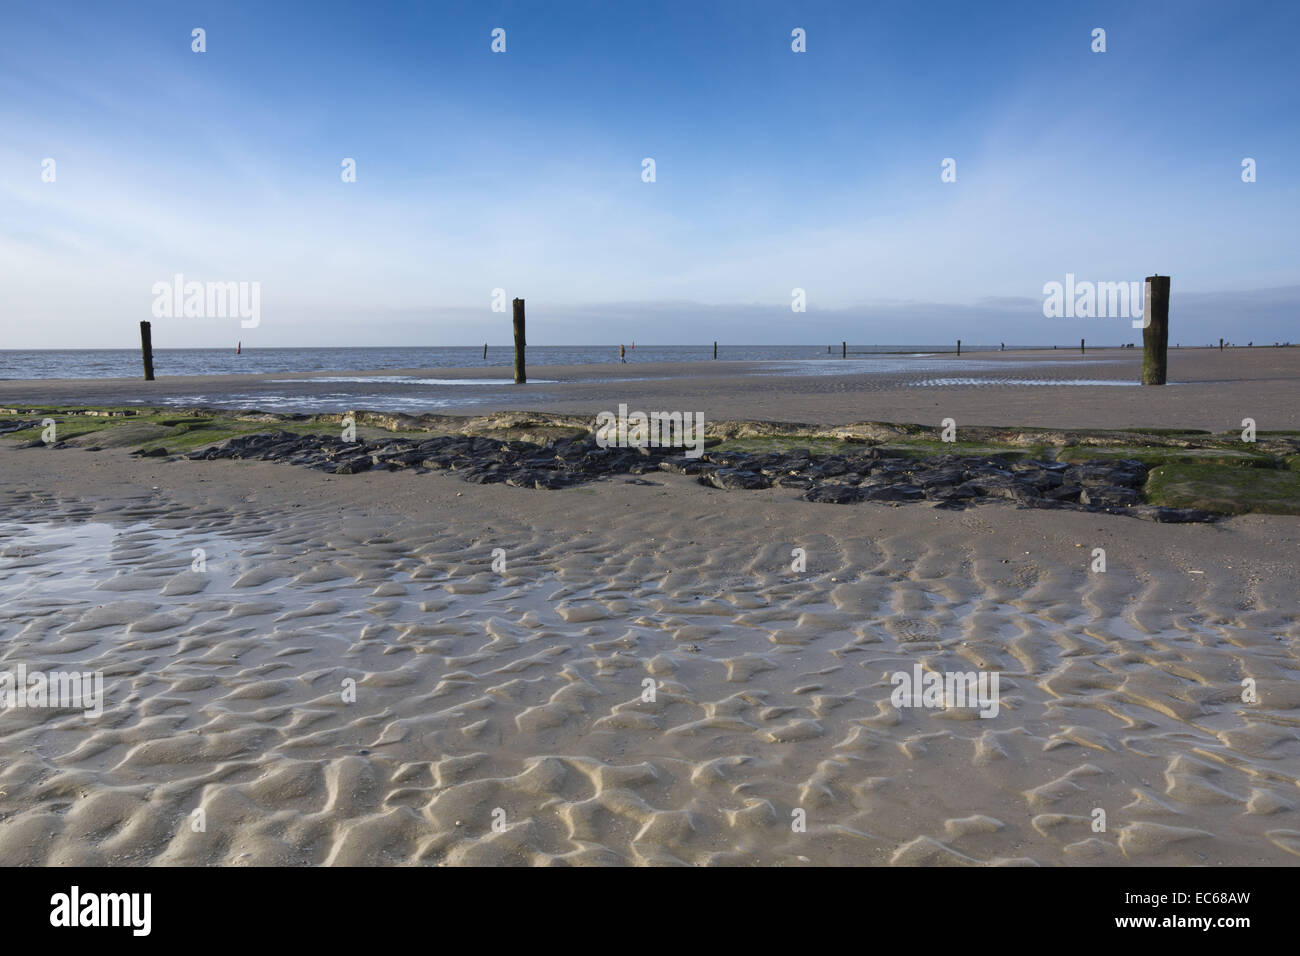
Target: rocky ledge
x: 947, y: 481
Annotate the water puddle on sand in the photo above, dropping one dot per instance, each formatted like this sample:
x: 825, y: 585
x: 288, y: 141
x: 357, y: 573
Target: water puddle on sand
x: 315, y: 403
x: 946, y: 382
x: 68, y: 561
x: 92, y: 563
x: 405, y: 380
x: 903, y: 365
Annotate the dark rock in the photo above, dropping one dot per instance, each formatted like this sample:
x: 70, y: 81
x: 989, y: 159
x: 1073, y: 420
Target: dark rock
x: 949, y: 493
x: 1124, y: 471
x: 940, y: 478
x: 1039, y: 481
x: 1108, y: 496
x: 1063, y: 493
x: 1049, y: 503
x: 483, y: 475
x: 734, y: 478
x: 681, y: 465
x: 553, y: 480
x: 1173, y: 515
x: 992, y: 484
x: 951, y: 504
x: 949, y: 481
x: 19, y: 425
x: 353, y: 466
x: 829, y: 467
x: 893, y: 493
x: 524, y: 478
x: 728, y: 459
x: 833, y: 494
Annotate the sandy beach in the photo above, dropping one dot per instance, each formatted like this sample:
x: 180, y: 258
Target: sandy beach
x: 640, y: 675
x: 1209, y: 389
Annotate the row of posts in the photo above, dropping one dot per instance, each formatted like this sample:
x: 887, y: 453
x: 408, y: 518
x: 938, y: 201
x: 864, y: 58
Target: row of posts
x: 1155, y: 338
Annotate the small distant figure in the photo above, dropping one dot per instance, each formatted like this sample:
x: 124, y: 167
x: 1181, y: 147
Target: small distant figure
x: 622, y: 354
x: 1004, y: 347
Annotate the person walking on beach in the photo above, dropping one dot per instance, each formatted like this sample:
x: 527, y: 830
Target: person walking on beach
x: 622, y: 354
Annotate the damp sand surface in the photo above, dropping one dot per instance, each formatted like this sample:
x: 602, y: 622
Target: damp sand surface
x: 646, y: 680
x: 1208, y: 389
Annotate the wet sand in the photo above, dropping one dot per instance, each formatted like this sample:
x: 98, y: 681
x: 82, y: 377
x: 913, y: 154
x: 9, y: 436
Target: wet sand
x: 1210, y: 390
x: 514, y: 697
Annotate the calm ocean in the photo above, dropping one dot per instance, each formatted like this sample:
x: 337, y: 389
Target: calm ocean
x: 125, y: 363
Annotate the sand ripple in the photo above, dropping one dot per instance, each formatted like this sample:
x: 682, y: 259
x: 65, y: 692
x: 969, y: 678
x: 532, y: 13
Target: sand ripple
x: 622, y: 697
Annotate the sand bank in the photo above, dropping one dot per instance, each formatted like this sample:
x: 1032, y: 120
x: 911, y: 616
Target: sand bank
x: 1211, y: 390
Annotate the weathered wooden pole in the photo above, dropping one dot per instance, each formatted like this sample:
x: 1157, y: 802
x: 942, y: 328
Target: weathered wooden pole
x: 520, y: 377
x: 146, y: 350
x: 959, y: 346
x: 1081, y: 349
x: 715, y: 350
x: 1155, y: 337
x: 1220, y: 345
x: 485, y: 351
x: 844, y: 350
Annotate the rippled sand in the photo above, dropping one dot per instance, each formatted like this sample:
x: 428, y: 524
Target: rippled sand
x: 499, y: 714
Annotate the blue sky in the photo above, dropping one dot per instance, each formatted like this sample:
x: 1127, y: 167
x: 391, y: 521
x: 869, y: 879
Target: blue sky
x: 775, y: 170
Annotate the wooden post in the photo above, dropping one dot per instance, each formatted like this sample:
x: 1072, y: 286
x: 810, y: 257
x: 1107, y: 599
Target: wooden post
x: 485, y: 351
x: 520, y: 377
x: 1220, y: 345
x: 1081, y: 350
x: 844, y: 350
x: 1155, y: 337
x: 959, y: 346
x: 715, y: 350
x: 146, y: 350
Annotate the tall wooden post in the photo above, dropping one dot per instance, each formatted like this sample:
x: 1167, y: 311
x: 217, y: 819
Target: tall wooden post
x: 1155, y: 337
x: 1220, y: 345
x: 715, y: 350
x: 520, y: 377
x: 146, y: 350
x: 959, y: 346
x: 485, y: 351
x: 844, y: 350
x: 1081, y: 350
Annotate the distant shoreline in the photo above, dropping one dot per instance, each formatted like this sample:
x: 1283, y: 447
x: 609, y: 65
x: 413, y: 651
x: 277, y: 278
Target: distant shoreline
x: 36, y: 365
x: 1048, y: 388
